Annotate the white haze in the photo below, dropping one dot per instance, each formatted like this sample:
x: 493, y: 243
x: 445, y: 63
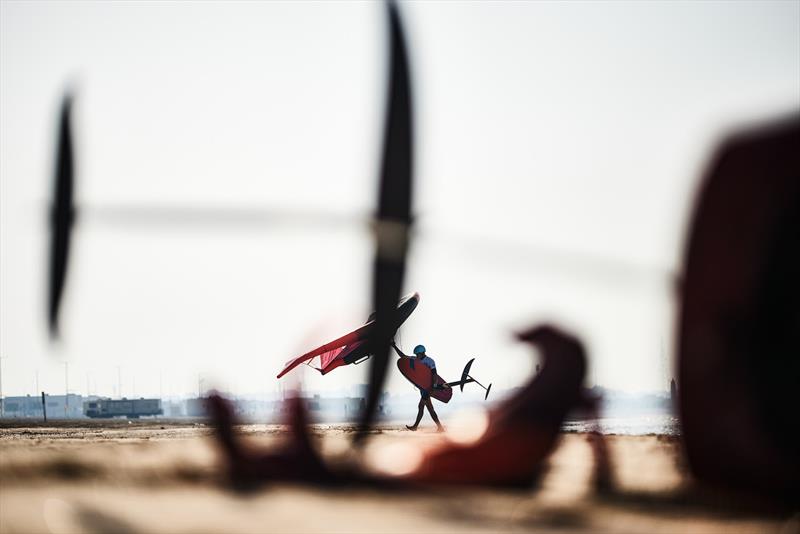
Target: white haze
x: 559, y: 145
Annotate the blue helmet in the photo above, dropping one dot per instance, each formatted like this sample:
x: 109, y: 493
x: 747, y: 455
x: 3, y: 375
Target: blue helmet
x: 419, y: 349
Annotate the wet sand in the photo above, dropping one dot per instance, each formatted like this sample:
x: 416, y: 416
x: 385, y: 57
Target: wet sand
x: 163, y: 476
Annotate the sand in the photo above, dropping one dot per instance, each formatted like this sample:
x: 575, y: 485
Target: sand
x: 164, y: 476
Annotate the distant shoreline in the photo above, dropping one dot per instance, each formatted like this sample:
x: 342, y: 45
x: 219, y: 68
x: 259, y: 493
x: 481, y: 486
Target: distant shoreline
x: 660, y: 426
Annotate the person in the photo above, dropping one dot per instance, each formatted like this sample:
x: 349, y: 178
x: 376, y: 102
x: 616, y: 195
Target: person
x: 425, y: 396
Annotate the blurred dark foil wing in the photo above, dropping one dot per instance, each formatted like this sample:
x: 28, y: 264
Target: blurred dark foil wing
x: 739, y: 345
x: 61, y: 215
x: 394, y: 213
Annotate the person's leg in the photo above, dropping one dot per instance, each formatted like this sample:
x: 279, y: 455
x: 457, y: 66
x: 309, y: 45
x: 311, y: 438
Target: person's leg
x: 429, y: 404
x: 421, y: 408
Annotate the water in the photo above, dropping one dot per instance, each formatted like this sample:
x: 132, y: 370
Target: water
x: 628, y: 425
x: 661, y: 424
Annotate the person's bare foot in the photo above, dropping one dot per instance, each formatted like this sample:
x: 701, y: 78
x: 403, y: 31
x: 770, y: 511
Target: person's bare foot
x: 411, y: 428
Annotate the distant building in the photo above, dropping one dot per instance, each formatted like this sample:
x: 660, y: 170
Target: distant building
x: 132, y: 408
x: 246, y: 409
x: 173, y: 408
x: 252, y: 409
x: 58, y: 406
x: 338, y: 409
x: 197, y: 407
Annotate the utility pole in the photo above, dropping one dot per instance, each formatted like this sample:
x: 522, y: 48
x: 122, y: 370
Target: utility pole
x: 119, y: 381
x: 66, y: 389
x: 2, y: 399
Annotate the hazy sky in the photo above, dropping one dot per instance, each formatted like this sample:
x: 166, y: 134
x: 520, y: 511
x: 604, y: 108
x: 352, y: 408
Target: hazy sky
x: 559, y: 145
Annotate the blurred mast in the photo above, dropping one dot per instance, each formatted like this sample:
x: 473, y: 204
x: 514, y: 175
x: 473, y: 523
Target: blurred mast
x: 393, y: 218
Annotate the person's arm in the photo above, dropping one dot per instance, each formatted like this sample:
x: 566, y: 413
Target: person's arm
x: 398, y: 351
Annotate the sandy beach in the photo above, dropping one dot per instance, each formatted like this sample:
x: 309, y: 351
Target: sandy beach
x: 164, y: 476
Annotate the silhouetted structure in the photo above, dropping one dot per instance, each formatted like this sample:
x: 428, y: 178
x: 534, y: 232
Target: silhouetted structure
x: 673, y: 392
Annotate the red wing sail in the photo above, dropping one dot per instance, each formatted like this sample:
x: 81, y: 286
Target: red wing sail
x: 326, y: 358
x: 334, y: 353
x: 341, y: 357
x: 336, y: 344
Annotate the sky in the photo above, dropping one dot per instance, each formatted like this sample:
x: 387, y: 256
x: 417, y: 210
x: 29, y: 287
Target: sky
x: 559, y: 146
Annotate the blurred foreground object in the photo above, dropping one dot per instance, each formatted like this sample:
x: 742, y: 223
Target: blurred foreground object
x: 62, y: 214
x: 520, y: 435
x: 739, y: 346
x: 246, y: 466
x: 523, y: 430
x: 392, y: 229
